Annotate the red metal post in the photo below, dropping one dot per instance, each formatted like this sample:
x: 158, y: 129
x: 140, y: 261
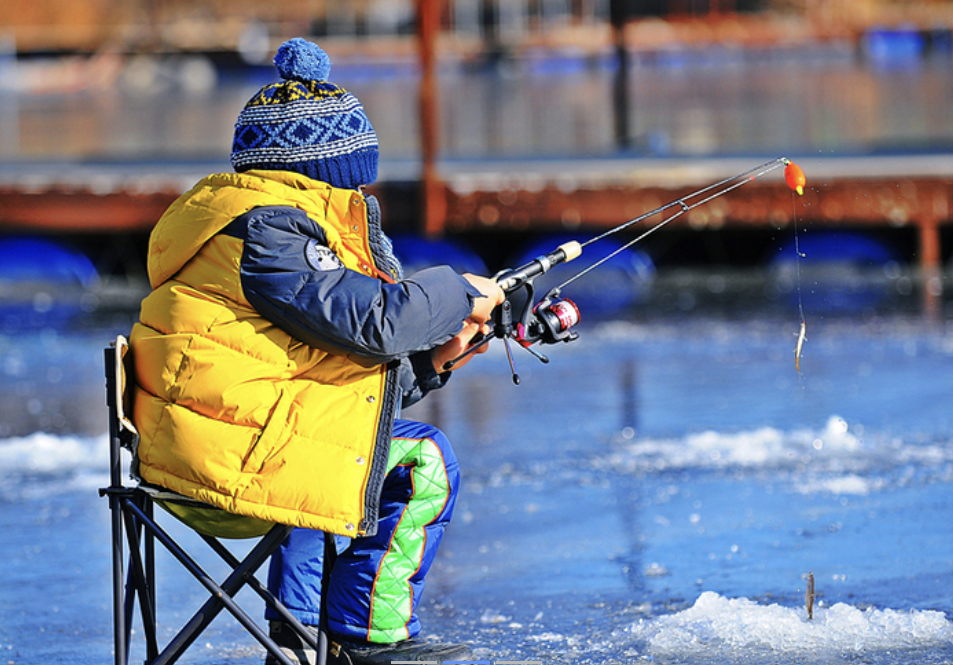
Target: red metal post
x: 930, y: 268
x: 433, y: 193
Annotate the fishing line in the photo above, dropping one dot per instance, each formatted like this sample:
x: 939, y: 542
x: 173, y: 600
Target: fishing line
x: 802, y: 331
x: 797, y: 260
x: 794, y: 176
x: 741, y: 178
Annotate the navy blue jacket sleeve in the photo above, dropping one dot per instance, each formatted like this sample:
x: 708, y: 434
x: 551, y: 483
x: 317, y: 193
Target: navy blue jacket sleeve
x: 330, y: 307
x: 416, y: 377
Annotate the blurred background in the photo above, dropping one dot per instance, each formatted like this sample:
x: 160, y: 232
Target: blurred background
x: 506, y: 126
x: 678, y: 429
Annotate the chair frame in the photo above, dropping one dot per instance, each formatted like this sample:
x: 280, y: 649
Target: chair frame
x: 135, y: 532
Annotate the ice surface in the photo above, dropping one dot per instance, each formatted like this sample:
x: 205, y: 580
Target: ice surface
x: 715, y: 624
x: 651, y: 496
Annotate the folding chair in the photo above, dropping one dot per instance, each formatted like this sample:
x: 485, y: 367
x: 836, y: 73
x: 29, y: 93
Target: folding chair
x: 135, y: 529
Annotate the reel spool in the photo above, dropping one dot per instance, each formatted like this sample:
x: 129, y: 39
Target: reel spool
x: 553, y: 320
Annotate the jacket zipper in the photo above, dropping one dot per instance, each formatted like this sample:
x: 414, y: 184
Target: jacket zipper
x: 385, y: 430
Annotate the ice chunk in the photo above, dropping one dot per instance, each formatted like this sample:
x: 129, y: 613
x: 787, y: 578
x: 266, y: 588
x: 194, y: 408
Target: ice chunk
x: 715, y: 624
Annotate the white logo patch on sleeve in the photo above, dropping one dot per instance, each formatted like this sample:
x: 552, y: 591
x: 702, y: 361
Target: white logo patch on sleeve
x: 320, y: 257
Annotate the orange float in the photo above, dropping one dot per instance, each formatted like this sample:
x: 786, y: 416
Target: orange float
x: 794, y: 176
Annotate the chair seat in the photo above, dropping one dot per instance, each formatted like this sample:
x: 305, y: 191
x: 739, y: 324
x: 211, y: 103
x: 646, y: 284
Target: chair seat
x: 204, y: 518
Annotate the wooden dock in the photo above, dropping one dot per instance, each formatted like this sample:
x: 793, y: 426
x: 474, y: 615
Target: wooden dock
x: 582, y: 196
x: 548, y: 195
x: 896, y: 191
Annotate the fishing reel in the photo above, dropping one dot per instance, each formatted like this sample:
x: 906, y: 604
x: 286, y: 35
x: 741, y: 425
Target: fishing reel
x: 547, y: 322
x: 525, y: 320
x: 555, y: 318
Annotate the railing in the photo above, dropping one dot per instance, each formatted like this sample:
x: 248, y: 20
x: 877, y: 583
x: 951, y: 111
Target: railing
x: 196, y: 25
x: 471, y: 18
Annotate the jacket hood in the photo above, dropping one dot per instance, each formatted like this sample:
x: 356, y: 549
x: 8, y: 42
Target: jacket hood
x: 212, y: 204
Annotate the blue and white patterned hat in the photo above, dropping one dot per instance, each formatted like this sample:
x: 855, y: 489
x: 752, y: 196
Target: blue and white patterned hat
x: 306, y: 124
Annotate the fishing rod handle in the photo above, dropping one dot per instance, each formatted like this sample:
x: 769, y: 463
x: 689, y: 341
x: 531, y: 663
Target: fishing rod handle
x: 513, y: 279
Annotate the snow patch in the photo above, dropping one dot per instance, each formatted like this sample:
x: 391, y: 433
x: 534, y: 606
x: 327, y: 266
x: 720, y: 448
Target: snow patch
x: 48, y: 454
x: 41, y: 463
x: 715, y: 624
x: 833, y: 449
x: 848, y: 484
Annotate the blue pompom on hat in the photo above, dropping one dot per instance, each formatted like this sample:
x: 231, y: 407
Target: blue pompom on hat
x: 306, y: 124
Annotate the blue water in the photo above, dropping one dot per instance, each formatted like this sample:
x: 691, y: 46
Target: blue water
x: 656, y: 493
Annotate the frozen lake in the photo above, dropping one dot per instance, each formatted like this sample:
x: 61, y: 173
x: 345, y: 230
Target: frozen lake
x: 657, y: 493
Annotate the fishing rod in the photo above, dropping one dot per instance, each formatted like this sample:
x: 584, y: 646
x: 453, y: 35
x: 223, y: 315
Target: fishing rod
x: 550, y: 320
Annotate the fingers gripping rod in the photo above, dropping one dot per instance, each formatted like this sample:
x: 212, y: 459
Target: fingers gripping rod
x: 511, y: 281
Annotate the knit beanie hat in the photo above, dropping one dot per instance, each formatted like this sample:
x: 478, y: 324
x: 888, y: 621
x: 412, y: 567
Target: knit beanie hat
x: 306, y: 124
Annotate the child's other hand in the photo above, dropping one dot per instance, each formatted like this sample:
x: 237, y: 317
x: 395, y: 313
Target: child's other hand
x: 475, y: 327
x: 458, y: 346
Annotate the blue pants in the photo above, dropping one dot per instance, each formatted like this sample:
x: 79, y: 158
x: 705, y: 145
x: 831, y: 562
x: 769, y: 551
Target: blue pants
x: 377, y: 581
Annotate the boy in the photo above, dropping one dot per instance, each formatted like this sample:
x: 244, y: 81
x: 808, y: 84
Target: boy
x: 276, y: 349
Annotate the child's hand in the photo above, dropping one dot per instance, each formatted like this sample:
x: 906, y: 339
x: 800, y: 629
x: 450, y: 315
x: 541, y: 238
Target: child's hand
x: 493, y: 298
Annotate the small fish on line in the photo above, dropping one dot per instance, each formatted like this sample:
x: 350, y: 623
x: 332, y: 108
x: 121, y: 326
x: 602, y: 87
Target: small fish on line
x: 801, y: 336
x: 794, y: 176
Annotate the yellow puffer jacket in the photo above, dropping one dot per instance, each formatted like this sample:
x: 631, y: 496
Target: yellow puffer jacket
x: 232, y: 410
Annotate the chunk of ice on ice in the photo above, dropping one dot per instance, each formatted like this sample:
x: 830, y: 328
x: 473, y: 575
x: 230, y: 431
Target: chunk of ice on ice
x: 718, y: 624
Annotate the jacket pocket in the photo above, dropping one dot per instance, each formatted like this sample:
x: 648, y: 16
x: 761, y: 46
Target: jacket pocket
x: 273, y: 437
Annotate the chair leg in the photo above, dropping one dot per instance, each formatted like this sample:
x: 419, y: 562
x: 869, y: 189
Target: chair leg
x: 330, y: 555
x: 120, y: 625
x: 221, y: 595
x: 266, y: 595
x: 140, y: 584
x: 133, y: 526
x: 135, y: 580
x: 149, y: 547
x: 321, y: 644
